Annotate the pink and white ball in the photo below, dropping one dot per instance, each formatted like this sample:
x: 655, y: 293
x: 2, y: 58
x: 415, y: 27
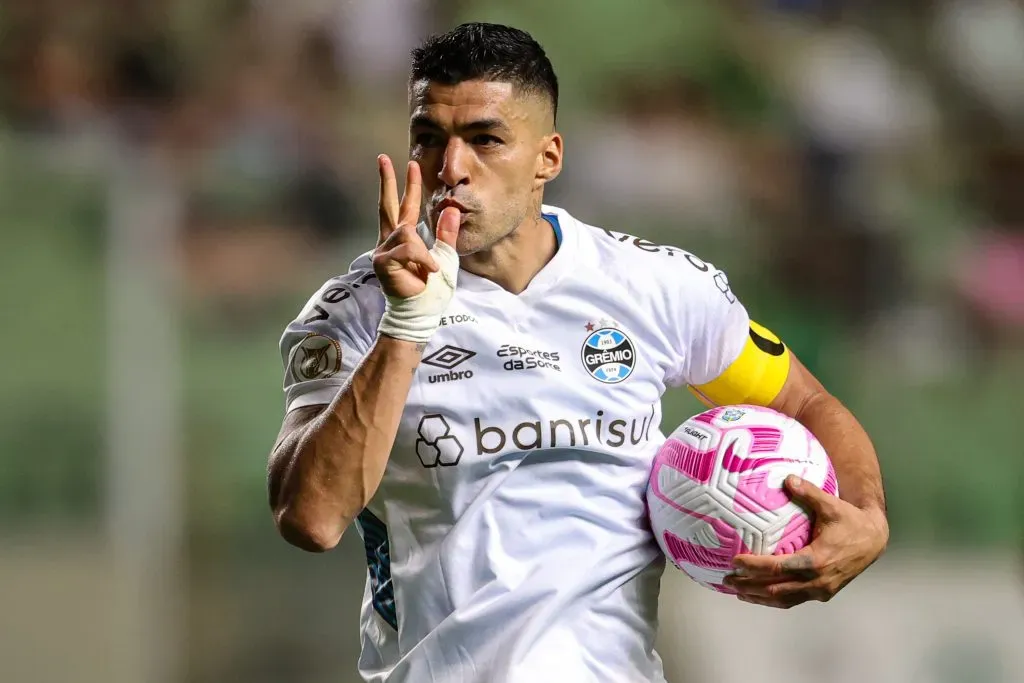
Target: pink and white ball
x: 716, y: 489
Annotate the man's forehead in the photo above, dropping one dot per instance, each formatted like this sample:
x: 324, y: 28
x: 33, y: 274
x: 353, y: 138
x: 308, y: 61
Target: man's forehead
x: 469, y: 100
x: 473, y: 93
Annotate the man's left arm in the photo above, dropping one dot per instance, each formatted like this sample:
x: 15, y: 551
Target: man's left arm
x: 850, y: 532
x: 725, y: 358
x: 844, y: 439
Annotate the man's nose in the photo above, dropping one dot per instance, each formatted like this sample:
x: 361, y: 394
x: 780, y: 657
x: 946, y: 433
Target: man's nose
x: 455, y: 167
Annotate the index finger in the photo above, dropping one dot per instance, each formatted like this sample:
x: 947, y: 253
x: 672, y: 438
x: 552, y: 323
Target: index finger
x: 410, y: 211
x: 387, y: 199
x: 800, y: 564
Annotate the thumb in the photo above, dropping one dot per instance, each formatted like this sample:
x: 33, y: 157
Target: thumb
x: 823, y: 504
x: 448, y: 226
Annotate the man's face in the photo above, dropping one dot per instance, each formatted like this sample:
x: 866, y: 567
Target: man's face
x: 485, y: 148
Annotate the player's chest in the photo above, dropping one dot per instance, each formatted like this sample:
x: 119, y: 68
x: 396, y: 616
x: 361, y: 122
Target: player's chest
x: 495, y: 381
x: 491, y: 354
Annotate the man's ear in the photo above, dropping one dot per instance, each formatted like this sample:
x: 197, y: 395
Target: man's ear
x: 550, y: 159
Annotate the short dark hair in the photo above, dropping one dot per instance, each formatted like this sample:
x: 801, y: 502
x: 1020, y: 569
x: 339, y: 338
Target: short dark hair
x: 486, y: 51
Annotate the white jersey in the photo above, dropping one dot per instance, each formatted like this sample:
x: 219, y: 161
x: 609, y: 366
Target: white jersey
x: 508, y: 540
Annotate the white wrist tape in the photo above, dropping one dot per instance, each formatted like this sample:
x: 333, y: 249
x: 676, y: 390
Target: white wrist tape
x: 416, y: 318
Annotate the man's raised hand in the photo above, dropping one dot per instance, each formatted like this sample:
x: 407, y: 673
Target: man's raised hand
x: 417, y: 282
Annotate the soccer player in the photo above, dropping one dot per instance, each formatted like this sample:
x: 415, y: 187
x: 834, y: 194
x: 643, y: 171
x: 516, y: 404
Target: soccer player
x: 480, y: 395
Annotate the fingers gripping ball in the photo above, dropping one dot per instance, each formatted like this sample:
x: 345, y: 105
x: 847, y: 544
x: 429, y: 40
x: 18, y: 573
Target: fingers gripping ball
x: 416, y: 318
x: 716, y: 489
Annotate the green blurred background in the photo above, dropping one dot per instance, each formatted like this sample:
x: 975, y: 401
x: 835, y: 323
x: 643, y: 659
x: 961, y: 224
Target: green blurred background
x: 177, y: 177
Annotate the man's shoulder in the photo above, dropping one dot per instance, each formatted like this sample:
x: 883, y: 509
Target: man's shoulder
x: 627, y: 257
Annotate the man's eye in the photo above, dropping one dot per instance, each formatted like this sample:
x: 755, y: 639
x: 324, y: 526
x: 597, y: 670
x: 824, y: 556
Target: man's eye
x: 427, y: 139
x: 485, y: 140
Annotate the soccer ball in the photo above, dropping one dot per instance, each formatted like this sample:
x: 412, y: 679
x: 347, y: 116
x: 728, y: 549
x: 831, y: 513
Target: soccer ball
x: 716, y: 489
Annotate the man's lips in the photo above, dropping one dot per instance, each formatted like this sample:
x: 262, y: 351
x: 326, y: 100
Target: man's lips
x: 449, y: 202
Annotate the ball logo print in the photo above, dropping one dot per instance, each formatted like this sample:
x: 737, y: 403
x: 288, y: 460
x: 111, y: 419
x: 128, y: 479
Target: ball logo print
x: 731, y: 415
x: 608, y: 354
x: 436, y: 445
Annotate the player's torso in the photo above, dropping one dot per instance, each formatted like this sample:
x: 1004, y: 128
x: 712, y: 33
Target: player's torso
x: 515, y: 488
x: 512, y: 507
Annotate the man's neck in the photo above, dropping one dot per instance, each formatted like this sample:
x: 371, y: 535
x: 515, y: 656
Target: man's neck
x: 514, y: 261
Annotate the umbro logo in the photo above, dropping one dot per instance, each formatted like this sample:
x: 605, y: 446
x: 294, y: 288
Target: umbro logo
x: 448, y: 358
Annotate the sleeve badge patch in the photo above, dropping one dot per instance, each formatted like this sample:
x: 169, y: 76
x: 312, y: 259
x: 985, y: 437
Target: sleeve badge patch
x: 316, y: 357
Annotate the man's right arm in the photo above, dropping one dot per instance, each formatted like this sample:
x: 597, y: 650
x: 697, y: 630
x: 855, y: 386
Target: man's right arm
x: 328, y: 463
x: 329, y: 460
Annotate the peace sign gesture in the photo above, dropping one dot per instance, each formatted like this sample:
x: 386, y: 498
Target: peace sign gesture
x: 401, y: 260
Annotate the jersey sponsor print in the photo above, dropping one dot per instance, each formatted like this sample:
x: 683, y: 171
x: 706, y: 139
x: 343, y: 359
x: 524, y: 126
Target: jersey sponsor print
x: 516, y: 358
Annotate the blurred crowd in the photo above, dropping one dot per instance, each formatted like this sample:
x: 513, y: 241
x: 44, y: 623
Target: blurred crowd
x: 853, y: 165
x: 863, y: 159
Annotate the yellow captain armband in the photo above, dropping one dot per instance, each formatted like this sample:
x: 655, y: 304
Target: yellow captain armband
x: 755, y: 378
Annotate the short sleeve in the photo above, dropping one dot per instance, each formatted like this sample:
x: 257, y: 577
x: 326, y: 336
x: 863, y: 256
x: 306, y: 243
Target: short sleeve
x: 335, y: 330
x: 709, y: 325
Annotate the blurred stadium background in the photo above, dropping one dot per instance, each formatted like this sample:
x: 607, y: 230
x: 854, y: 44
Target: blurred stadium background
x: 176, y: 177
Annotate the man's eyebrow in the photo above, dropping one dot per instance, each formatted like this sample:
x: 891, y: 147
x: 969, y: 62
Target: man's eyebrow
x: 425, y: 121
